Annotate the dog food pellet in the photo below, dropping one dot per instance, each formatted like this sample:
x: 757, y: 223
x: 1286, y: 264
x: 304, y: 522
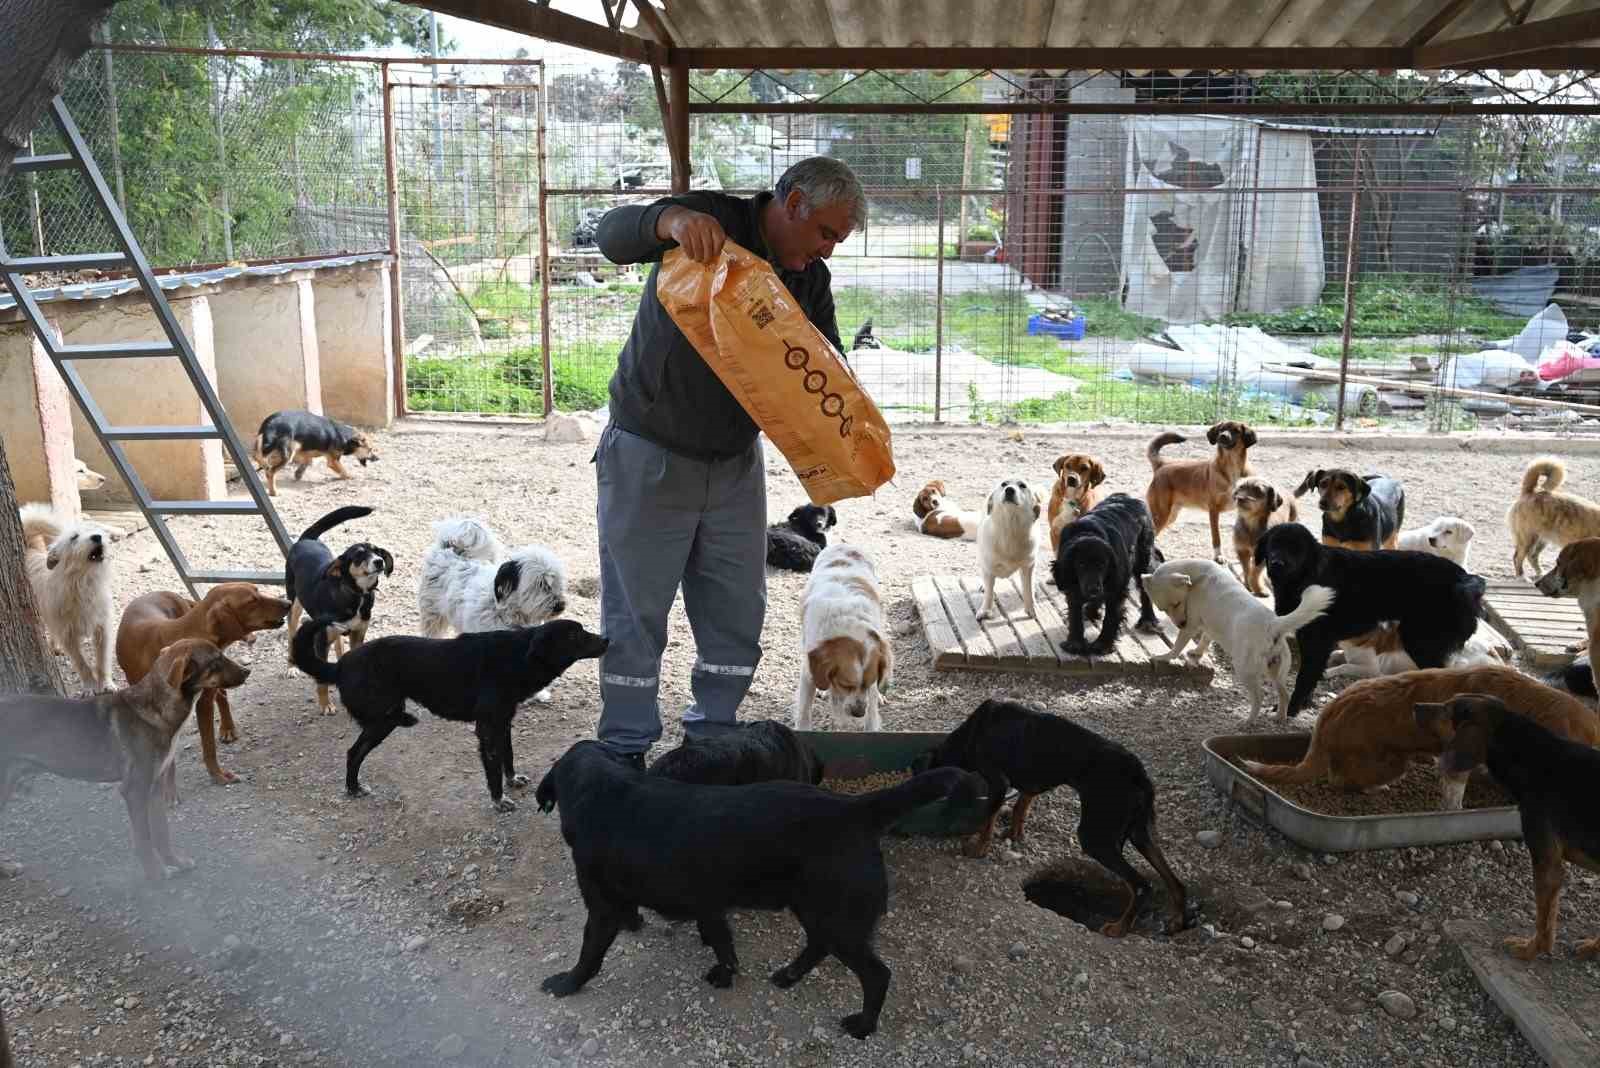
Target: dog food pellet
x: 1415, y: 791
x: 878, y: 780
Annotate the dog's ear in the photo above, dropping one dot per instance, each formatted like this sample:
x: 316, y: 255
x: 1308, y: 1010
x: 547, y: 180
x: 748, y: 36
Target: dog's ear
x: 1360, y: 489
x: 1097, y: 474
x: 1036, y: 508
x: 1249, y: 437
x: 938, y: 484
x: 52, y: 558
x: 1061, y: 461
x: 223, y: 621
x: 335, y: 569
x: 1274, y: 498
x: 821, y: 665
x: 880, y: 663
x: 183, y: 667
x: 1214, y: 433
x: 507, y: 579
x: 387, y: 558
x: 988, y: 505
x: 545, y: 795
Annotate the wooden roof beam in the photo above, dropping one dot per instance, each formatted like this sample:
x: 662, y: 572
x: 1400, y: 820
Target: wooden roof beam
x: 1491, y: 49
x: 983, y: 58
x: 535, y: 20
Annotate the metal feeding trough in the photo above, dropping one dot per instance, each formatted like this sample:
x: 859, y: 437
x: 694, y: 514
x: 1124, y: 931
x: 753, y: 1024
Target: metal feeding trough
x: 1338, y: 834
x: 849, y: 754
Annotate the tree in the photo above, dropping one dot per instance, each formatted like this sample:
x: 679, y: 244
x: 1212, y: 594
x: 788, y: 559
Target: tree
x: 39, y: 42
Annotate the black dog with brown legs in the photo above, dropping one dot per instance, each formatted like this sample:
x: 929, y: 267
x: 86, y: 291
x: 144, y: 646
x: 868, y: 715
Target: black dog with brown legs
x: 473, y: 678
x: 695, y: 852
x: 1011, y: 744
x: 1556, y: 784
x: 1358, y: 511
x: 1100, y: 552
x: 1436, y: 604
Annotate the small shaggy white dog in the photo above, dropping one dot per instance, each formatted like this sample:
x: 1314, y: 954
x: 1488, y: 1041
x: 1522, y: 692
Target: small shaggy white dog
x: 1209, y: 604
x: 1008, y: 542
x: 71, y: 580
x: 846, y: 652
x: 1448, y: 536
x: 471, y: 584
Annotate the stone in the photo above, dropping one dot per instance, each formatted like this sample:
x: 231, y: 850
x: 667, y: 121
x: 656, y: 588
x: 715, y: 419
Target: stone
x: 450, y: 1047
x: 1398, y: 1005
x: 470, y: 873
x: 1307, y: 1062
x: 1332, y: 921
x: 1209, y: 839
x: 1247, y: 942
x: 1446, y: 1023
x: 1081, y: 979
x: 590, y: 1047
x: 1301, y: 872
x: 563, y: 429
x: 1017, y: 951
x: 415, y: 943
x: 1395, y: 944
x: 964, y: 965
x: 1407, y: 898
x: 9, y: 870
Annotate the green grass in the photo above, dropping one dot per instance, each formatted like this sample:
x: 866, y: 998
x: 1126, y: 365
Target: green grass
x: 1359, y: 350
x: 1108, y: 318
x: 1387, y: 310
x: 512, y: 383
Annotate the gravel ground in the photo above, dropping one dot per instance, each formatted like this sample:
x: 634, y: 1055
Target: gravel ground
x: 414, y: 926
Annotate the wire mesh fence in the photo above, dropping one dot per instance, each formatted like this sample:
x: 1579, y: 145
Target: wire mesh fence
x: 1104, y: 263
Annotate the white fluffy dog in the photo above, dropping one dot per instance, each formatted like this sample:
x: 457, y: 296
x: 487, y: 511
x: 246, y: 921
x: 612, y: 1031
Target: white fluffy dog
x: 471, y: 584
x: 1007, y: 541
x: 846, y: 651
x: 71, y: 580
x: 1380, y: 653
x: 1209, y: 604
x: 1448, y: 536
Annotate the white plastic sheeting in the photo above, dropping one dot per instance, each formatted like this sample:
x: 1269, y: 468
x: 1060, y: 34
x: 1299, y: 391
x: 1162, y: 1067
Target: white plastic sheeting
x: 1184, y: 247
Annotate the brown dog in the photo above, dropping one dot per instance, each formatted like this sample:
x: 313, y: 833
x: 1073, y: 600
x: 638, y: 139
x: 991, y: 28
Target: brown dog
x: 1557, y: 788
x: 1257, y: 505
x: 1547, y: 515
x: 1577, y: 574
x: 1368, y: 735
x: 1208, y: 484
x: 128, y: 737
x: 938, y: 521
x: 1073, y: 494
x: 228, y: 613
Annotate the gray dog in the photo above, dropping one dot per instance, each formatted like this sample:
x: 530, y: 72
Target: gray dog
x: 126, y: 737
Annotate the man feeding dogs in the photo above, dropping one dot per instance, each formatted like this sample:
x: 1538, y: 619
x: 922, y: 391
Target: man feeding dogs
x: 680, y: 472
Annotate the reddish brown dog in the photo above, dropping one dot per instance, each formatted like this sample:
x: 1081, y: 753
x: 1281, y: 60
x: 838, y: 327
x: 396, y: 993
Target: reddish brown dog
x: 1179, y: 484
x: 228, y: 613
x: 1073, y: 494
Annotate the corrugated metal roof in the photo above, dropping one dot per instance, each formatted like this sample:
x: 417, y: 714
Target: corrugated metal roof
x: 1078, y: 23
x: 117, y: 287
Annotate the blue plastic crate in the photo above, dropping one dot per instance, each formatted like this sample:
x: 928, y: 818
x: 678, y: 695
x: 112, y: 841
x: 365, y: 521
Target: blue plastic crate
x: 1071, y: 330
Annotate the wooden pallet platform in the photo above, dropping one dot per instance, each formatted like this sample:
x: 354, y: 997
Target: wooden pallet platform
x: 1560, y: 1026
x: 1538, y: 627
x: 122, y: 523
x: 948, y: 607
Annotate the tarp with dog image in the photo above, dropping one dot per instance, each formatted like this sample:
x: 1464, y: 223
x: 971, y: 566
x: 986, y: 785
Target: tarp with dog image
x: 751, y: 331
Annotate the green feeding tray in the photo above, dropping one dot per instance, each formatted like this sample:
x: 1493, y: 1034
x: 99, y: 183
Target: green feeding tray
x: 851, y: 754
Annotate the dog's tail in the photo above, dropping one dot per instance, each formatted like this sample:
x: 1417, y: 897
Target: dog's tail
x: 1313, y: 603
x: 1313, y: 766
x: 886, y: 806
x: 39, y: 521
x: 1152, y: 452
x: 333, y: 519
x: 1553, y: 471
x: 467, y: 537
x: 310, y: 650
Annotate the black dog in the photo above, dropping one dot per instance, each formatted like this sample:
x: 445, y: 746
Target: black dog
x: 1435, y: 602
x: 1011, y: 744
x: 794, y: 544
x: 298, y: 437
x: 694, y: 852
x: 1358, y: 512
x: 1575, y: 678
x: 1556, y: 784
x: 761, y: 751
x: 341, y: 590
x: 474, y: 678
x: 1102, y: 551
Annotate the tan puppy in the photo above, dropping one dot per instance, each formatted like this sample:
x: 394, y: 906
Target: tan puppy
x: 1258, y: 504
x: 227, y: 613
x: 1547, y: 515
x: 1179, y: 484
x: 937, y: 520
x: 127, y: 737
x: 1368, y: 735
x: 1577, y: 574
x: 1073, y: 494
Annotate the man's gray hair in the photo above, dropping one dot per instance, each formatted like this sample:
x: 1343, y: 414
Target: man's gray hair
x: 825, y: 181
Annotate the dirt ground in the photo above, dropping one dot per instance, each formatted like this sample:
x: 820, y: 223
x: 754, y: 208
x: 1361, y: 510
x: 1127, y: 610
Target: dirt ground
x: 415, y: 926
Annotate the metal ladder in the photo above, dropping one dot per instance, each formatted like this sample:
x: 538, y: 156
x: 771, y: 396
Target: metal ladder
x: 176, y: 346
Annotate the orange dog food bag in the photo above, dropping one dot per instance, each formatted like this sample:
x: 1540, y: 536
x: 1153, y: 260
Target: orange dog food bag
x: 750, y: 330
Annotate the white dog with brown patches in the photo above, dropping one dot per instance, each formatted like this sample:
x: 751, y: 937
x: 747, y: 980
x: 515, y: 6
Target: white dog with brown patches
x: 1007, y: 541
x: 847, y: 653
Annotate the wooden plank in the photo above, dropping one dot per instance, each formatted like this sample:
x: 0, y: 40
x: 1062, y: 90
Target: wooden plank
x: 1007, y: 643
x: 1516, y: 987
x: 1058, y: 602
x: 936, y: 626
x: 980, y: 651
x: 1029, y: 629
x: 1052, y: 617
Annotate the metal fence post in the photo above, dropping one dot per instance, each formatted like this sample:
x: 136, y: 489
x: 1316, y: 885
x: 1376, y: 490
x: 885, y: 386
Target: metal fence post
x: 397, y: 322
x: 1349, y: 284
x: 544, y: 260
x: 938, y: 313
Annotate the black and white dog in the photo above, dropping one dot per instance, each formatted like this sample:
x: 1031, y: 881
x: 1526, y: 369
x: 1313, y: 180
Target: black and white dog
x: 793, y: 545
